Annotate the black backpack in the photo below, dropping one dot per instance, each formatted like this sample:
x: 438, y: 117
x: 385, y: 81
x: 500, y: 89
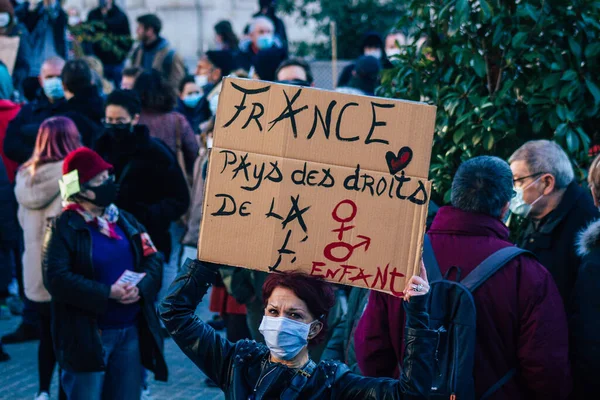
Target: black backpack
x: 453, y: 315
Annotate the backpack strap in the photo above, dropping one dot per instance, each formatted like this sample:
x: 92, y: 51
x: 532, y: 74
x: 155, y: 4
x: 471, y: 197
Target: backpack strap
x: 490, y: 266
x: 299, y: 381
x: 496, y: 386
x: 167, y: 63
x: 432, y: 267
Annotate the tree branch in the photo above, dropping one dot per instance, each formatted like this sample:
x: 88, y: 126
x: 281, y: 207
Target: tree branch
x: 487, y: 67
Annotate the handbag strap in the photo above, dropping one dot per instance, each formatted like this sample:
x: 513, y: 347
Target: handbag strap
x: 299, y: 381
x: 178, y: 135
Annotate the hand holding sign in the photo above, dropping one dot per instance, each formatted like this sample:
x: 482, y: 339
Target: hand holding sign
x: 417, y: 285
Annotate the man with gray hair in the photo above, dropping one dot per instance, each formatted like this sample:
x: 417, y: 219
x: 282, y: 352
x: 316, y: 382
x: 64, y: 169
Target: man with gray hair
x: 262, y: 37
x: 555, y: 206
x: 22, y: 131
x: 521, y: 322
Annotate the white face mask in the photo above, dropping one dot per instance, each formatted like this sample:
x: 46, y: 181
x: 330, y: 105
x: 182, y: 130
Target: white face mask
x: 4, y: 19
x: 213, y: 103
x: 74, y: 20
x: 373, y: 53
x: 285, y: 337
x: 201, y: 80
x: 518, y: 205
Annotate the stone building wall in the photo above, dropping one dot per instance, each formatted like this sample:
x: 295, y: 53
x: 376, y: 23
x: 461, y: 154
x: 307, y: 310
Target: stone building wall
x: 188, y: 24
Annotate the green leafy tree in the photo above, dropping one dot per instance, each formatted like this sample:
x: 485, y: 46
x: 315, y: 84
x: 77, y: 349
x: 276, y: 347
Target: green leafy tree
x: 94, y: 32
x: 501, y: 73
x: 353, y: 19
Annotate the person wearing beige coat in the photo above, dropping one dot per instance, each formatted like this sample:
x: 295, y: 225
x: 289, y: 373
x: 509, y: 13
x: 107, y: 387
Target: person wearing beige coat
x: 39, y: 199
x: 38, y: 194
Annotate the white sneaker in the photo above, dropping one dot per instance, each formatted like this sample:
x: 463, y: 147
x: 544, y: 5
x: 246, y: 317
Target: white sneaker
x: 146, y: 394
x: 42, y: 396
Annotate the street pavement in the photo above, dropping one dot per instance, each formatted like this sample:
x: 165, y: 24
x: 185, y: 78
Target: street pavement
x: 19, y: 379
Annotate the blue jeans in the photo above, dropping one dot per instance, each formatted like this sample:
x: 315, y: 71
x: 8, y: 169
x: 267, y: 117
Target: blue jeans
x: 122, y: 379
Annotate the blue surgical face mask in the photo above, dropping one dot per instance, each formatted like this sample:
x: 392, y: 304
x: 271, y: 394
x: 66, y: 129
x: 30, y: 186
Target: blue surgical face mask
x: 284, y: 337
x: 518, y: 206
x: 192, y: 100
x: 265, y: 41
x: 53, y: 88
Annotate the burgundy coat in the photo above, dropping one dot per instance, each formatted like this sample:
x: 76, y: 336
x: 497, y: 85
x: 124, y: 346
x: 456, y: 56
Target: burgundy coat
x: 520, y: 315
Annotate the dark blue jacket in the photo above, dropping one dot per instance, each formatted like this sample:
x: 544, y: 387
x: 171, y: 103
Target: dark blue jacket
x: 84, y: 109
x: 59, y: 26
x: 22, y: 131
x: 9, y: 228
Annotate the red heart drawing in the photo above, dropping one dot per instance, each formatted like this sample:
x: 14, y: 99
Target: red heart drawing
x: 398, y: 163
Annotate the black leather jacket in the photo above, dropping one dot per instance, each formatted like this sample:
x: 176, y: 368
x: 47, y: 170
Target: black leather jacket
x: 77, y: 298
x: 243, y: 370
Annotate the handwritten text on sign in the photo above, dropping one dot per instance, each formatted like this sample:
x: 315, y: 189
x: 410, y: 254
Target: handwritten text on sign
x: 347, y: 211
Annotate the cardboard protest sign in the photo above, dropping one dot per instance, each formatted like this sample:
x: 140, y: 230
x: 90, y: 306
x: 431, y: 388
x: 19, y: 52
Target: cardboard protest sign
x: 331, y: 184
x: 9, y: 46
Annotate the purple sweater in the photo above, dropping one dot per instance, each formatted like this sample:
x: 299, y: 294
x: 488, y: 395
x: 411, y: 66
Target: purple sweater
x: 164, y: 126
x: 111, y: 258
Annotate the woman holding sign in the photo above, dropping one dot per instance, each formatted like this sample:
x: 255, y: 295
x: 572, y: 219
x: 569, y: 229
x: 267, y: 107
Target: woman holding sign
x: 103, y: 273
x: 296, y: 309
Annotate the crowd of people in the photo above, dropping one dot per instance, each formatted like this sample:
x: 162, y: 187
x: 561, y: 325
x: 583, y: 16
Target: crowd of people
x: 103, y: 164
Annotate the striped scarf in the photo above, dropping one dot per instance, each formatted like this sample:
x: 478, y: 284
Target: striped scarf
x: 106, y: 223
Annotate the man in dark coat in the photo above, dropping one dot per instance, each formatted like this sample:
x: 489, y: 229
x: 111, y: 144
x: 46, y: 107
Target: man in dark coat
x: 116, y: 23
x: 556, y: 209
x: 373, y: 46
x: 71, y: 95
x: 267, y: 9
x: 84, y: 104
x: 262, y: 37
x: 22, y: 131
x: 152, y: 186
x: 521, y: 320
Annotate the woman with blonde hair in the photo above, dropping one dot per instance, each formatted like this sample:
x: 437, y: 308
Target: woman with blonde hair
x: 585, y: 312
x: 37, y: 193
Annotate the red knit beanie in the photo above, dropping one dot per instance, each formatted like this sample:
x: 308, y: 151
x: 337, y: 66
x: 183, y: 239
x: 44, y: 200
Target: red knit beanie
x: 87, y: 163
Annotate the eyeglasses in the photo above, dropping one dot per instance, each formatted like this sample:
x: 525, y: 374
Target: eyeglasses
x: 528, y: 176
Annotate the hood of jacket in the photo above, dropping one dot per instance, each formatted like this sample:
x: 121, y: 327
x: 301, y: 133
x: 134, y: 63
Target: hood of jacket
x: 7, y: 105
x: 40, y: 189
x: 588, y: 239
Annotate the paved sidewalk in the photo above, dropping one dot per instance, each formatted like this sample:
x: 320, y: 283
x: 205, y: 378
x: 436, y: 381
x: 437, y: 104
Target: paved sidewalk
x: 18, y: 377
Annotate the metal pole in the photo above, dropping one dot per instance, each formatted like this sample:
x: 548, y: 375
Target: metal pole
x: 333, y: 34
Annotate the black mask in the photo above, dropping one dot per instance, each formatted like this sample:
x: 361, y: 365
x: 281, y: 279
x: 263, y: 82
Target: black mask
x: 119, y: 132
x: 106, y: 194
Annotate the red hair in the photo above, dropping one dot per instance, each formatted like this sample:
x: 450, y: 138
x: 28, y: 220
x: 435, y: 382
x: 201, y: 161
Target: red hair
x: 316, y: 293
x: 56, y: 138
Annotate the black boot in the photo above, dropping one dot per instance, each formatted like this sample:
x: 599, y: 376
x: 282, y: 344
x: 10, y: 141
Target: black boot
x: 24, y: 333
